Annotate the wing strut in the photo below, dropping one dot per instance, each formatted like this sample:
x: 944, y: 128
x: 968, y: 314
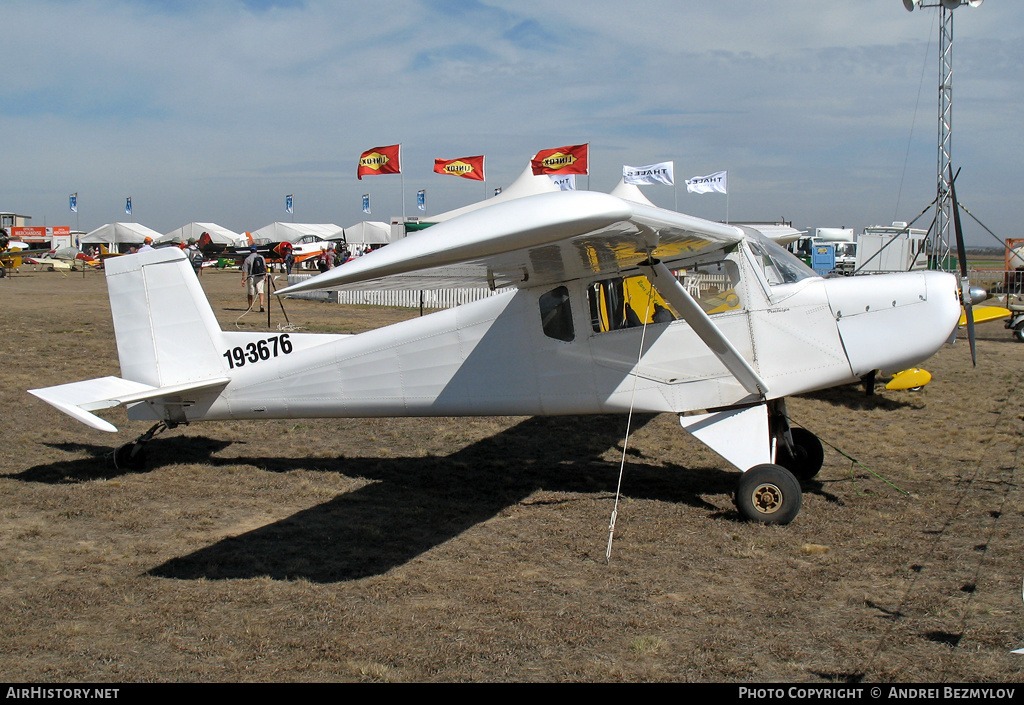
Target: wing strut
x: 674, y: 292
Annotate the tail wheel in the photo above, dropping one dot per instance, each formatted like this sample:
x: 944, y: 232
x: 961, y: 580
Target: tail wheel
x: 806, y: 457
x: 130, y: 456
x: 768, y: 494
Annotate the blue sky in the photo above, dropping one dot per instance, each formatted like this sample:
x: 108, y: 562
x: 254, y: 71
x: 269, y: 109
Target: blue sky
x: 823, y: 111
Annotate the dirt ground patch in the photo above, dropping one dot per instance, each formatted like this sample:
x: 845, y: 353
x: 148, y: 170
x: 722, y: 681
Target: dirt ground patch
x: 474, y: 549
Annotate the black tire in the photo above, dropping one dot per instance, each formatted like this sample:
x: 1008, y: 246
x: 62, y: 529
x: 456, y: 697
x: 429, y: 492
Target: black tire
x: 768, y: 494
x: 807, y: 456
x: 130, y: 456
x: 1018, y: 332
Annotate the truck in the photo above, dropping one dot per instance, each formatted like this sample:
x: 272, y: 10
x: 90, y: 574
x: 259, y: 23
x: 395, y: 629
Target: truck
x: 879, y: 248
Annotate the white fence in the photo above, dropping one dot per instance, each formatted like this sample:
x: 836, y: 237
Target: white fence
x: 405, y: 298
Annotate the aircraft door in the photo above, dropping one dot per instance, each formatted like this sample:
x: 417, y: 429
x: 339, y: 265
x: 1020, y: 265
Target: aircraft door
x: 674, y: 356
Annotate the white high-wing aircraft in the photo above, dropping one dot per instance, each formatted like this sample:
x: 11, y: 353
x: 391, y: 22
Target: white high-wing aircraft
x: 611, y: 306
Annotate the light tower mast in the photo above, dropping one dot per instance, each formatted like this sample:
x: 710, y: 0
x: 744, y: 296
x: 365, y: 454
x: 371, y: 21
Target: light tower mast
x: 940, y: 242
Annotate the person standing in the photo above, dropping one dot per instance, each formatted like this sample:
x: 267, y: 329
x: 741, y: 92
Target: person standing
x: 254, y: 274
x: 195, y: 255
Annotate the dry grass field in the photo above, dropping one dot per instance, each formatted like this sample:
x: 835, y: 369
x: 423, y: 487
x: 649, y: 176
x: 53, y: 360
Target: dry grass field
x: 474, y: 549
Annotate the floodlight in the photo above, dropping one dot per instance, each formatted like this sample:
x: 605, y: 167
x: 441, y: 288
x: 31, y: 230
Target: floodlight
x: 910, y: 4
x: 951, y: 4
x: 975, y: 3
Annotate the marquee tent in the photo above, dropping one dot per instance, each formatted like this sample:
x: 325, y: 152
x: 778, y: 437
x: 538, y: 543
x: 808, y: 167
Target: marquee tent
x: 119, y: 234
x: 293, y: 232
x: 219, y: 235
x: 368, y: 232
x: 526, y: 185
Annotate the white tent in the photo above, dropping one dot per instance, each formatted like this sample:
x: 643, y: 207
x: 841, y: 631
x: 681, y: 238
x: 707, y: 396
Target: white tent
x: 526, y: 185
x: 119, y: 234
x: 193, y: 231
x: 292, y: 232
x: 368, y: 232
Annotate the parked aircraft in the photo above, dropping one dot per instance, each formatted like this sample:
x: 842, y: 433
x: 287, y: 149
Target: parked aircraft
x: 13, y: 252
x: 601, y: 305
x: 63, y: 259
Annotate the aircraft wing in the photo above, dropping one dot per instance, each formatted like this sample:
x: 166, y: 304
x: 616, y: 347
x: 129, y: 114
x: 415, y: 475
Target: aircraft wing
x: 531, y: 241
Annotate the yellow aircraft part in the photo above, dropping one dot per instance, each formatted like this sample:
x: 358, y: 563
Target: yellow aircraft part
x: 724, y: 301
x: 642, y: 298
x: 909, y: 379
x: 986, y: 313
x: 10, y: 261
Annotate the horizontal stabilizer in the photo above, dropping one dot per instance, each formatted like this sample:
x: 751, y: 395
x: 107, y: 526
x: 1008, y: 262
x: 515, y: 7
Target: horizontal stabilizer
x: 79, y: 399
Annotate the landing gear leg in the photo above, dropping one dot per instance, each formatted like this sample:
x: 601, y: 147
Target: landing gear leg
x: 796, y: 449
x: 132, y: 455
x: 868, y: 381
x: 753, y: 437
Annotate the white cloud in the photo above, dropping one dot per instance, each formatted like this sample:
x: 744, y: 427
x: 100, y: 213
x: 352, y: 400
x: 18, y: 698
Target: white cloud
x: 213, y: 111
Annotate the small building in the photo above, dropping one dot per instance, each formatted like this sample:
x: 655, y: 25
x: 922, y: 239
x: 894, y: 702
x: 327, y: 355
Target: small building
x: 13, y: 220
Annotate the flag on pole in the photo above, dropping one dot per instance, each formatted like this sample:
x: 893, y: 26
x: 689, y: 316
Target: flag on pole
x: 561, y: 160
x: 128, y: 206
x: 707, y: 184
x: 380, y: 160
x: 366, y: 203
x: 289, y: 204
x: 421, y: 199
x: 73, y: 202
x: 565, y: 183
x: 661, y: 173
x: 466, y: 167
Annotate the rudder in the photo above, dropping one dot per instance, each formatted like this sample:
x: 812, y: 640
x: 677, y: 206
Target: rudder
x: 167, y: 333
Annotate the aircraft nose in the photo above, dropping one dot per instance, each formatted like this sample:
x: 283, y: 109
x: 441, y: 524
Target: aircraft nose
x: 891, y: 322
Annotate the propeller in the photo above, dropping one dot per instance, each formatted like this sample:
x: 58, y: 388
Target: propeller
x: 966, y: 296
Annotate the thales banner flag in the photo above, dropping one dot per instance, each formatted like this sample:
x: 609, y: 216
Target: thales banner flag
x: 564, y: 183
x: 289, y: 204
x: 380, y: 160
x: 708, y: 184
x: 561, y: 160
x: 466, y: 167
x: 73, y: 202
x: 651, y: 174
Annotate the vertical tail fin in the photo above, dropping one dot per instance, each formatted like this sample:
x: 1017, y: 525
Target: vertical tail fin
x: 167, y: 333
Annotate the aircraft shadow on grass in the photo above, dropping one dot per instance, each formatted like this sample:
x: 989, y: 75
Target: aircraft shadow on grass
x: 852, y: 396
x: 100, y: 463
x: 415, y: 504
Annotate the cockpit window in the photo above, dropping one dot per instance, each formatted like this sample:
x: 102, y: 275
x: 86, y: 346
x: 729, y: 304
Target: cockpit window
x: 778, y: 264
x: 713, y: 285
x: 556, y: 315
x: 625, y: 303
x: 632, y: 301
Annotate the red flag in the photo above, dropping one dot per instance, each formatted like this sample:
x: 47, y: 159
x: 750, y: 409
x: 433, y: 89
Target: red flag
x: 380, y: 160
x: 562, y: 160
x: 466, y: 167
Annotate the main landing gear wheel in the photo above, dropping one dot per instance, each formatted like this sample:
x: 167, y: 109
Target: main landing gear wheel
x: 806, y: 457
x: 768, y: 494
x: 1018, y: 332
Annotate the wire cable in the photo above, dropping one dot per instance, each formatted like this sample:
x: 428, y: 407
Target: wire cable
x: 629, y: 421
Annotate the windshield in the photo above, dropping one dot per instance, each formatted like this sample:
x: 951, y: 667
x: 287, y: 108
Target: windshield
x: 779, y: 265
